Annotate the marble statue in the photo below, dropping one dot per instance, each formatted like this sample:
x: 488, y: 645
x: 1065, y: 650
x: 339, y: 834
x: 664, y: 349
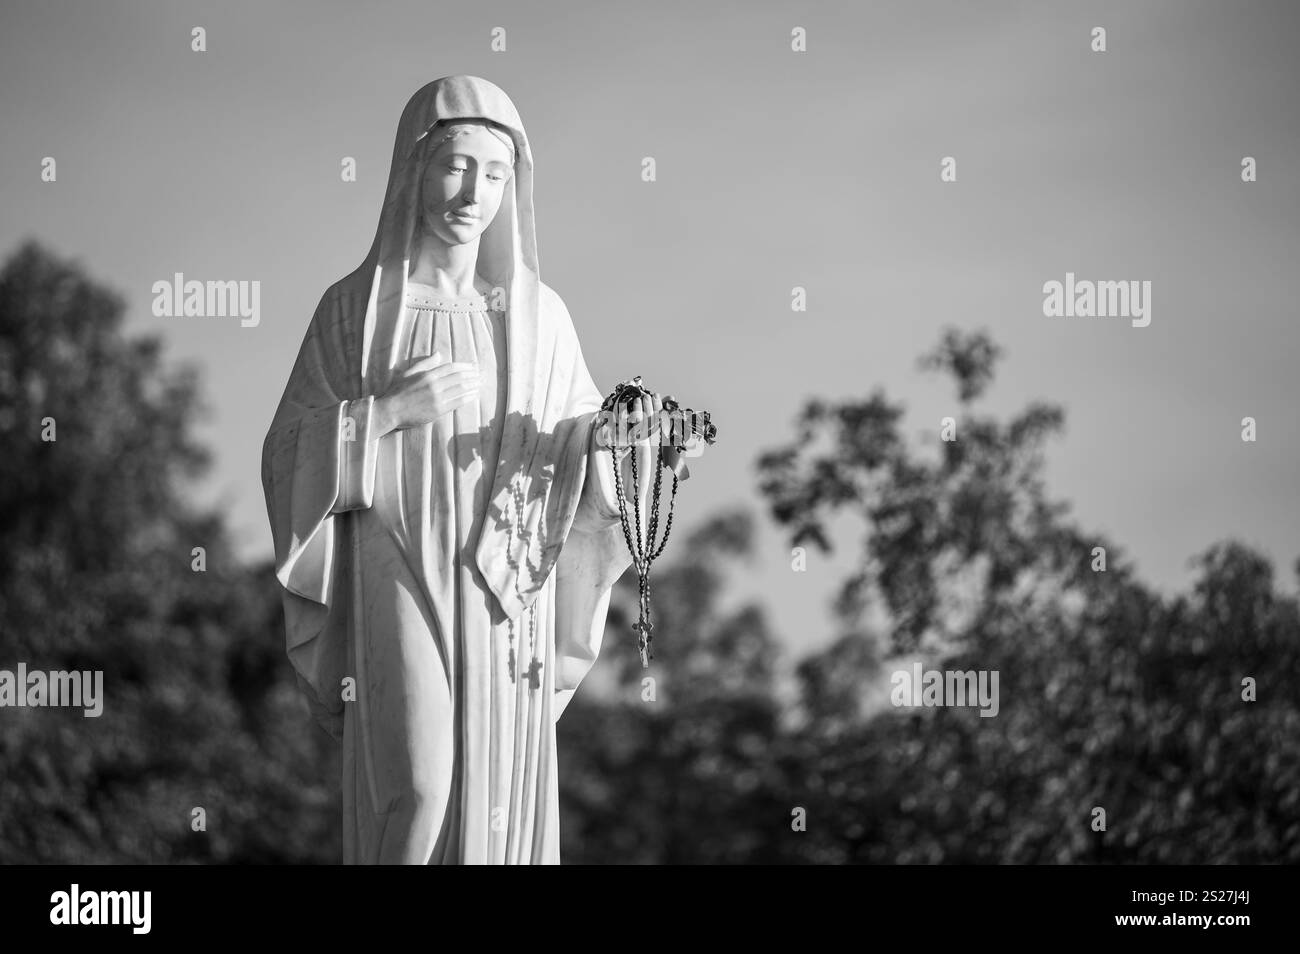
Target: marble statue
x: 446, y: 531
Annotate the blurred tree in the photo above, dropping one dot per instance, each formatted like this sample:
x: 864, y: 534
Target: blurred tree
x: 95, y: 574
x: 679, y: 763
x: 1109, y: 697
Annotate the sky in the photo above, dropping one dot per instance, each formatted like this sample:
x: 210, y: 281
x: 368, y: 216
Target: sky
x: 775, y: 169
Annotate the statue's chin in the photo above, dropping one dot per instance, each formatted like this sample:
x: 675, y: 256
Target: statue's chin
x: 463, y: 235
x: 451, y: 235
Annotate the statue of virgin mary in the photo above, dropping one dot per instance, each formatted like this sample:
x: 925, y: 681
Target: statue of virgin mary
x: 445, y: 535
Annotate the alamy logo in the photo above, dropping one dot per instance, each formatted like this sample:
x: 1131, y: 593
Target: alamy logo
x: 1089, y: 299
x: 59, y: 688
x: 102, y: 907
x: 194, y: 299
x: 951, y: 687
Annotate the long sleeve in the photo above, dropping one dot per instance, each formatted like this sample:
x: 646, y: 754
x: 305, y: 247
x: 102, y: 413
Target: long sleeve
x: 301, y: 471
x: 358, y: 453
x: 594, y: 556
x: 307, y: 463
x: 314, y: 457
x: 597, y: 505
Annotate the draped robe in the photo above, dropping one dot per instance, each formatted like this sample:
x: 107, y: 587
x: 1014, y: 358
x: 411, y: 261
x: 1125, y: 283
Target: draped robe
x: 449, y: 744
x: 445, y: 587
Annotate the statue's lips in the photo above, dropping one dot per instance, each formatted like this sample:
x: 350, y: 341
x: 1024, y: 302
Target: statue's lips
x: 463, y: 217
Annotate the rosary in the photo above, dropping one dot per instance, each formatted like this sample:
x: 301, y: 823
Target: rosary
x: 628, y: 397
x: 535, y: 666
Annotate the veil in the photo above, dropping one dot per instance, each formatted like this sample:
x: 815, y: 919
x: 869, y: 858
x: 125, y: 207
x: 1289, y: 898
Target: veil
x: 507, y: 248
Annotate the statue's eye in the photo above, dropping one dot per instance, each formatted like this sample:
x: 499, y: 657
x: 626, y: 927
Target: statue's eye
x: 497, y: 178
x: 457, y: 169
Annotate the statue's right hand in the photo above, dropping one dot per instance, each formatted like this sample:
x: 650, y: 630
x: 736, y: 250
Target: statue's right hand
x: 426, y: 391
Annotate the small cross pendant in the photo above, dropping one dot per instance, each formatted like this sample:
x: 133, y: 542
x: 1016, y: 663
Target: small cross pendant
x: 534, y: 673
x: 644, y: 628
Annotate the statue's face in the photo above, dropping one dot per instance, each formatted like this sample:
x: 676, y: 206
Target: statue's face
x: 463, y: 183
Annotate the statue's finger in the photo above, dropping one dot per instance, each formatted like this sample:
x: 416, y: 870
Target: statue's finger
x: 645, y: 462
x: 424, y: 364
x: 600, y: 432
x: 434, y: 364
x: 624, y: 421
x: 636, y: 422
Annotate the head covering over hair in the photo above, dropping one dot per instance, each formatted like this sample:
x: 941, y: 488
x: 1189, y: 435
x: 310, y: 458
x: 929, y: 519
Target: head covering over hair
x: 507, y: 248
x: 450, y: 131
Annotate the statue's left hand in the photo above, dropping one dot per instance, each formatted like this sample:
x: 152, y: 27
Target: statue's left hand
x: 643, y: 430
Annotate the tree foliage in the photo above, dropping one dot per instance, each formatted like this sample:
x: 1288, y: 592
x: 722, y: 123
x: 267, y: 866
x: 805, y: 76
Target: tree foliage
x: 1111, y: 697
x: 96, y: 556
